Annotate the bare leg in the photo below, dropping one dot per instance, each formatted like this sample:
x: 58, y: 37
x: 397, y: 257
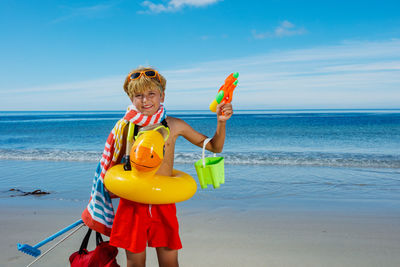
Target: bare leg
x: 167, y: 257
x: 135, y: 259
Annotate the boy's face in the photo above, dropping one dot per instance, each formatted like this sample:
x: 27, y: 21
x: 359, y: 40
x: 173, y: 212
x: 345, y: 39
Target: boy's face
x: 148, y: 102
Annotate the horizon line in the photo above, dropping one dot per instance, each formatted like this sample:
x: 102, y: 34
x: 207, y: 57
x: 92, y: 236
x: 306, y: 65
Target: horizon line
x: 207, y: 110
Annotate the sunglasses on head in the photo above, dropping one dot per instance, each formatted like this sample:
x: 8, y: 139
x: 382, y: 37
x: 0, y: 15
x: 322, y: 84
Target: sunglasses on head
x: 148, y: 73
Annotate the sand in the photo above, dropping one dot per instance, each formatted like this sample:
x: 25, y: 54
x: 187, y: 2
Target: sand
x: 276, y: 235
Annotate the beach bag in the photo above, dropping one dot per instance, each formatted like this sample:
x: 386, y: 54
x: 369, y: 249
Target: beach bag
x: 104, y: 254
x: 210, y: 170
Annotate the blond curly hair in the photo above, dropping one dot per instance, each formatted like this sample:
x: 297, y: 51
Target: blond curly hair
x: 132, y: 87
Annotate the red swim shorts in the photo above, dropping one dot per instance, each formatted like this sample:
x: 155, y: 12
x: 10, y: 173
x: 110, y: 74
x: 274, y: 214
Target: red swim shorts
x: 136, y: 225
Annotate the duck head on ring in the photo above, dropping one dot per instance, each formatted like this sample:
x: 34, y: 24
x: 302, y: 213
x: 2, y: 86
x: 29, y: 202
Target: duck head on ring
x: 147, y: 152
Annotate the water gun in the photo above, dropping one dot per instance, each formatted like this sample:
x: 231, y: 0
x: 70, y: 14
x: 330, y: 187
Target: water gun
x: 225, y: 93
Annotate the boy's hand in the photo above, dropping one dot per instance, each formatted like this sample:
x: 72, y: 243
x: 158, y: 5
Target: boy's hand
x: 224, y: 112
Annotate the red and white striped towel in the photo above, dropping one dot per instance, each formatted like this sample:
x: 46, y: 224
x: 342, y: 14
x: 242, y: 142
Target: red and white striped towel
x: 99, y: 214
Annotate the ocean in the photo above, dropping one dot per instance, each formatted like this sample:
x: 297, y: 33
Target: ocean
x: 336, y: 155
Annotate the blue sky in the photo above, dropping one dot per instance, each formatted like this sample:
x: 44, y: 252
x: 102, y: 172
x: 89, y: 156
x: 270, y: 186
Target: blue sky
x: 74, y: 55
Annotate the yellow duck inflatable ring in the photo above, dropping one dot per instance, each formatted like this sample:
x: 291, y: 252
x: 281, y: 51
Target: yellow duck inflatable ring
x: 141, y: 183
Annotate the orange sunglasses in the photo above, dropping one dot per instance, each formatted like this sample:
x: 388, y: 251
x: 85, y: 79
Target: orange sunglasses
x: 148, y: 73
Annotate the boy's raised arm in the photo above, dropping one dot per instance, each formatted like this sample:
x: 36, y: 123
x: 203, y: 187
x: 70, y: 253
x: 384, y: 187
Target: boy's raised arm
x: 224, y: 112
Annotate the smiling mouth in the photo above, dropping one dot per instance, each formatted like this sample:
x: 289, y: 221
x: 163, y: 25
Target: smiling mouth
x: 149, y: 167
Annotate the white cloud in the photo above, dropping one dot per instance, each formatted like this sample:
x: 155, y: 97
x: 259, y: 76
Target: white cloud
x: 347, y: 75
x: 286, y: 28
x: 174, y: 5
x: 83, y: 95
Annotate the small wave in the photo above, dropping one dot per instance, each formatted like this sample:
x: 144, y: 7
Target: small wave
x: 49, y: 155
x: 301, y: 159
x: 230, y: 158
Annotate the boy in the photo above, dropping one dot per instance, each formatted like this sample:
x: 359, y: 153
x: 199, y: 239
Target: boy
x: 136, y: 224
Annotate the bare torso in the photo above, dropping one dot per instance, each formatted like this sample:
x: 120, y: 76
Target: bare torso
x: 167, y: 164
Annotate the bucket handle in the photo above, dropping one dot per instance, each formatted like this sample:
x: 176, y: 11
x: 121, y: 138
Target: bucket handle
x: 204, y: 150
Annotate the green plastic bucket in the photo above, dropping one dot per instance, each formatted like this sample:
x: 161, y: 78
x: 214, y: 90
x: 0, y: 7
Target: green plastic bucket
x: 210, y: 170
